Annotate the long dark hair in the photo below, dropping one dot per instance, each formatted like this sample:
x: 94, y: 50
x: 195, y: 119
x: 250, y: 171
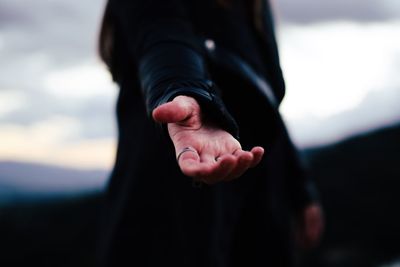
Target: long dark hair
x: 106, y: 42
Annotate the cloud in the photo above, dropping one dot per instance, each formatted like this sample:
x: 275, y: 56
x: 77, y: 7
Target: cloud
x: 80, y: 81
x: 96, y: 115
x: 375, y: 111
x: 48, y: 60
x: 337, y: 64
x: 54, y: 141
x: 10, y: 101
x: 64, y: 31
x: 314, y: 11
x: 341, y: 78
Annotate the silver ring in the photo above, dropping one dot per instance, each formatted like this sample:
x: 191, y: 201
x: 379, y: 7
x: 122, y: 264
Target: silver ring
x: 186, y: 149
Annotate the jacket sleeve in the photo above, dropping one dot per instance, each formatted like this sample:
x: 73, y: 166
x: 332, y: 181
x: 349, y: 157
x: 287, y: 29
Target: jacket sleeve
x: 168, y: 56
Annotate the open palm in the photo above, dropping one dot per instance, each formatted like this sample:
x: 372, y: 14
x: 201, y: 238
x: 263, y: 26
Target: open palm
x: 204, y: 151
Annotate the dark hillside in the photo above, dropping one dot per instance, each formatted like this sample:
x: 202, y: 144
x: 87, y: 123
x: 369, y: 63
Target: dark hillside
x: 359, y: 183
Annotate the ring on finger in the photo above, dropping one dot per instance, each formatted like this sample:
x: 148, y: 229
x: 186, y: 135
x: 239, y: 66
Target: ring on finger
x: 186, y: 149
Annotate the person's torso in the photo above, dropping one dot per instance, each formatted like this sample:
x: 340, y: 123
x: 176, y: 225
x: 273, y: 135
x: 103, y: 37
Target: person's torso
x: 233, y: 27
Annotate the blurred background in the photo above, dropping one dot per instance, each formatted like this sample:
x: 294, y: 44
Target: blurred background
x: 341, y: 61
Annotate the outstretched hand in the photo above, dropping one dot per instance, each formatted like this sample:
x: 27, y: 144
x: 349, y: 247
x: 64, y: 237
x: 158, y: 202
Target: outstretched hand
x: 204, y: 151
x: 310, y: 226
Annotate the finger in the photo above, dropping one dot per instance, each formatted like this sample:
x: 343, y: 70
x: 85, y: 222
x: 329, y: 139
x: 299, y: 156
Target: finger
x: 197, y: 170
x: 188, y: 160
x: 302, y: 239
x: 209, y: 172
x: 174, y: 111
x: 244, y: 160
x: 222, y: 167
x: 207, y: 158
x: 258, y: 153
x: 187, y: 149
x: 314, y: 224
x: 206, y: 170
x: 196, y: 166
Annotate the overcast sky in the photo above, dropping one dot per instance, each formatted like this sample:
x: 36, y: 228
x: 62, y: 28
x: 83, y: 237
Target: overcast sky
x: 340, y: 59
x: 317, y: 11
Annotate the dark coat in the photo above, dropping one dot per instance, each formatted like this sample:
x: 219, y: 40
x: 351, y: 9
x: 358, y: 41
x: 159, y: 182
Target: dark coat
x: 153, y: 214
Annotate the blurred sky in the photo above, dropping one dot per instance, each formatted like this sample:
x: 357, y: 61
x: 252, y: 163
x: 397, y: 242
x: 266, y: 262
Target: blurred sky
x: 341, y: 61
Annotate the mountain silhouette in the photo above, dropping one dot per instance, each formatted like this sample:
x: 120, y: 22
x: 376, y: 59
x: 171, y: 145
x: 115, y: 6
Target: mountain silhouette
x: 22, y: 180
x: 359, y: 184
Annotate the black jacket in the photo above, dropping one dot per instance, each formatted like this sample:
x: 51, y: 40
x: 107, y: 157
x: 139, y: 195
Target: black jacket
x: 158, y: 33
x: 157, y: 49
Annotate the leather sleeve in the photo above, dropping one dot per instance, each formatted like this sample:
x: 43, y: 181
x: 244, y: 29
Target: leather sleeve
x: 168, y: 56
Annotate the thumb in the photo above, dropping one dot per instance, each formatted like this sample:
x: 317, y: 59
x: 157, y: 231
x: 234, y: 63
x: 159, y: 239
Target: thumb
x: 175, y: 111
